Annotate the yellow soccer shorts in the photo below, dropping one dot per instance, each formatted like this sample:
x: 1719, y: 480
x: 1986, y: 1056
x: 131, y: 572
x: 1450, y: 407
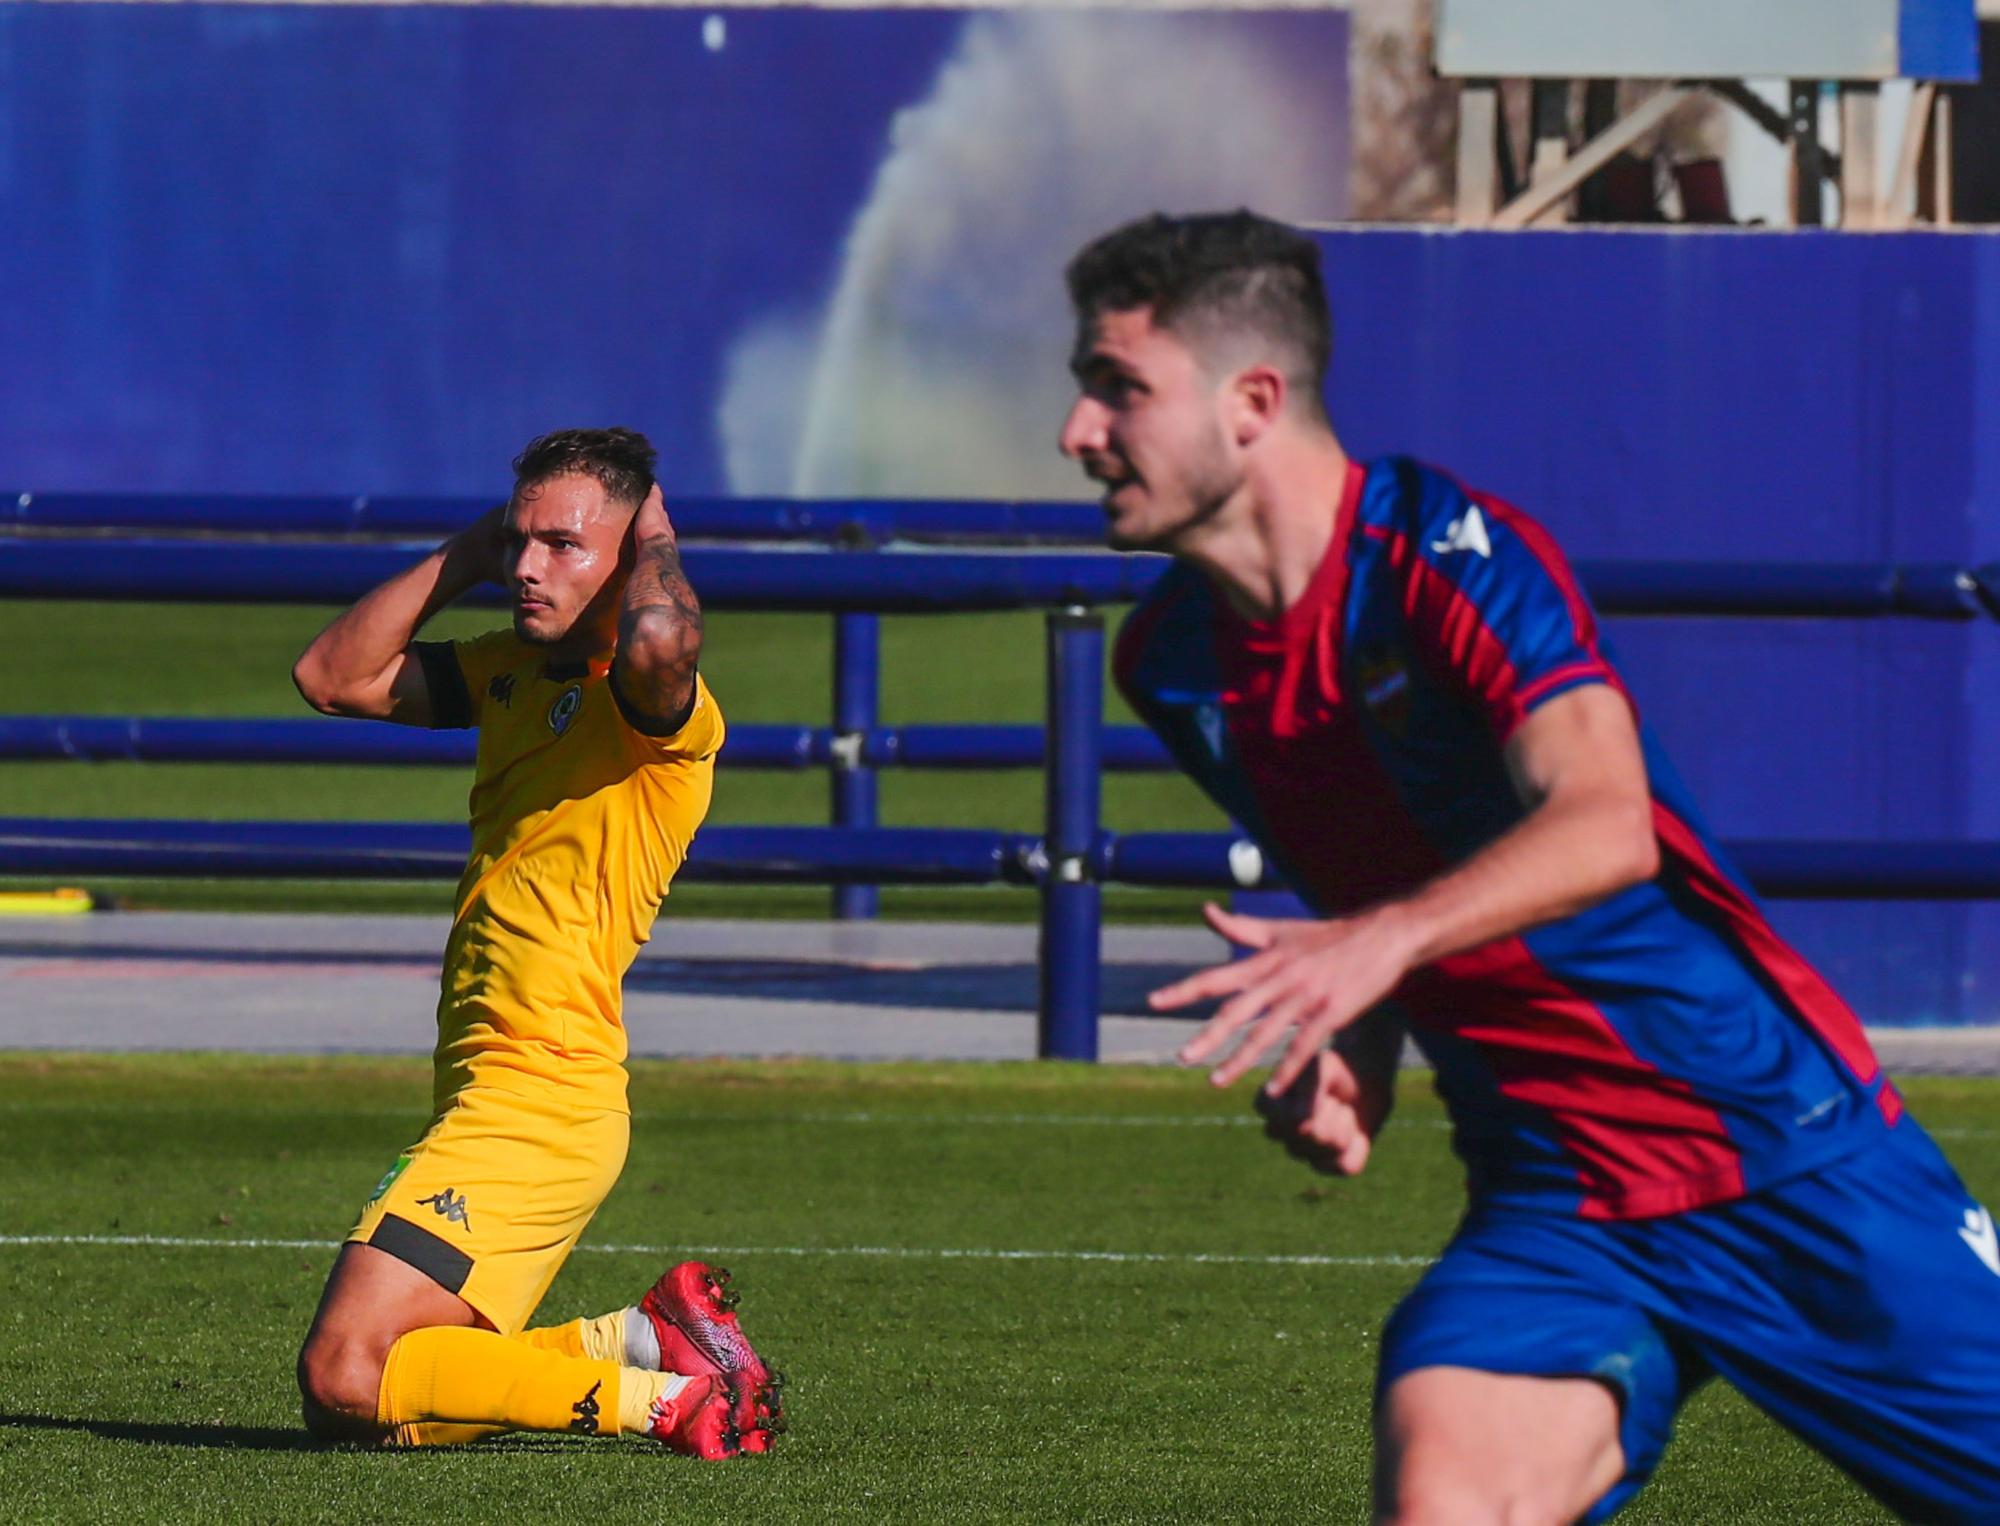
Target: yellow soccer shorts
x: 490, y: 1202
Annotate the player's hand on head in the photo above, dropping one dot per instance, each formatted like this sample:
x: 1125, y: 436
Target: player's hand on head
x: 1329, y: 1116
x: 483, y: 544
x: 1305, y: 981
x: 651, y: 520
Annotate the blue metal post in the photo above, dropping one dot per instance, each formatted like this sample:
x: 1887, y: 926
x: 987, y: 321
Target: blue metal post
x: 857, y: 688
x: 1071, y: 900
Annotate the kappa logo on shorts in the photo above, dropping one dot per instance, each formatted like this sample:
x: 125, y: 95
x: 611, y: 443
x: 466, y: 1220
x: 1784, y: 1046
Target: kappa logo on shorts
x: 449, y: 1206
x: 502, y: 689
x: 563, y: 711
x: 585, y: 1410
x: 1978, y: 1232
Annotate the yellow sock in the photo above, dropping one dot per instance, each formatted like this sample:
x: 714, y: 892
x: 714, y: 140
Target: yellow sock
x: 479, y: 1378
x: 566, y: 1339
x: 436, y: 1433
x: 601, y: 1339
x: 638, y: 1390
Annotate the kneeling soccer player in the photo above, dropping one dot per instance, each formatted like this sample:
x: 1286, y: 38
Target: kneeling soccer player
x: 597, y: 742
x: 1683, y: 1158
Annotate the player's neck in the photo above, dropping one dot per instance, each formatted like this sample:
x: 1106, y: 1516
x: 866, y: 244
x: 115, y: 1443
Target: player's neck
x: 588, y: 641
x: 1265, y: 543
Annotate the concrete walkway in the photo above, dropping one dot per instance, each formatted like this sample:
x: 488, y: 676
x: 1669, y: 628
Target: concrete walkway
x: 868, y: 991
x: 342, y: 984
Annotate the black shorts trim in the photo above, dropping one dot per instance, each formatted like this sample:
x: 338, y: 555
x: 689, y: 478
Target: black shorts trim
x: 440, y: 1260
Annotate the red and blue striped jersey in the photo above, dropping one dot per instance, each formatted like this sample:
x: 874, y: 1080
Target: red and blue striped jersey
x: 1661, y: 1050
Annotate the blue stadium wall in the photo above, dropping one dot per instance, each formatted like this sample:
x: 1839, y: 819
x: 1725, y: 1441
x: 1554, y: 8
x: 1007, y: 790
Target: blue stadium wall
x: 1710, y: 395
x: 340, y: 249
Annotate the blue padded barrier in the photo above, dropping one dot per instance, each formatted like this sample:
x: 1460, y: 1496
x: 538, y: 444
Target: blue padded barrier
x: 1825, y: 871
x: 833, y: 521
x: 1072, y: 898
x: 335, y: 572
x: 1805, y: 871
x: 404, y: 850
x: 173, y: 739
x: 853, y: 790
x: 276, y: 572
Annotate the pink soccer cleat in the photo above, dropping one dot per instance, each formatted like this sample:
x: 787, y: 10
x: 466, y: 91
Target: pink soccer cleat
x: 693, y: 1315
x: 700, y: 1420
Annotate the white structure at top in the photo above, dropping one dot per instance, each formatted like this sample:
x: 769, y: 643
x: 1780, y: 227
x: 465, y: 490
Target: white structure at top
x: 1689, y: 39
x: 1816, y: 47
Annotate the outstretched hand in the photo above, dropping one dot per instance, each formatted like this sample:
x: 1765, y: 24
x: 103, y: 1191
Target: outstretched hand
x: 1330, y: 1115
x: 1308, y: 979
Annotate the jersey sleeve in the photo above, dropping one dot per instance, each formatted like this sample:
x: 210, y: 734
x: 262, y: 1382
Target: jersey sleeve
x: 460, y: 675
x: 699, y: 736
x: 1494, y: 609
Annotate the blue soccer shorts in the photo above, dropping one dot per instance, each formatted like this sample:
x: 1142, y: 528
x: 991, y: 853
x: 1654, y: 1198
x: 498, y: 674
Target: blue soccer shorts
x: 1858, y: 1306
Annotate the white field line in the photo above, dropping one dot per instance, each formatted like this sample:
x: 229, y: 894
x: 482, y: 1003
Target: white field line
x: 879, y: 1252
x: 864, y: 1119
x: 1244, y: 1120
x: 775, y: 1117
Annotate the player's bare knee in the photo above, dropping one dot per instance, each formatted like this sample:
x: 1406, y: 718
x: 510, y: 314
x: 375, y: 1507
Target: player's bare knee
x: 1438, y: 1499
x: 340, y: 1382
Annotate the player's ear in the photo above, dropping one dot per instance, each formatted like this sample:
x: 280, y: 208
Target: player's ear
x: 1256, y: 401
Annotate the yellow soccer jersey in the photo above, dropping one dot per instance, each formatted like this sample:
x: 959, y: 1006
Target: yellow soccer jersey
x: 579, y: 821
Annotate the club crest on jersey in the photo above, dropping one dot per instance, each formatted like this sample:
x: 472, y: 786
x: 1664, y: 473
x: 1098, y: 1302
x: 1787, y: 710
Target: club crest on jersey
x: 563, y: 711
x: 1385, y: 689
x: 1208, y: 720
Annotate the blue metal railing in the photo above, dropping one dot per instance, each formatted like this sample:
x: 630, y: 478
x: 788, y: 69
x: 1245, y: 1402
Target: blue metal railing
x: 239, y: 571
x: 1812, y: 871
x: 209, y: 550
x: 177, y: 739
x: 829, y: 521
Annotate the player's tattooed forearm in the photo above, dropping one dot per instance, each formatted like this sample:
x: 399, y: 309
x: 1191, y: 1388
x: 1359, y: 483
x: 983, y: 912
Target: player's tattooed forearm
x: 658, y: 582
x: 662, y: 617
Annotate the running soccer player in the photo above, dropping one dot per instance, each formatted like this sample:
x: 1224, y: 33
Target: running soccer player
x: 597, y: 741
x: 1682, y: 1157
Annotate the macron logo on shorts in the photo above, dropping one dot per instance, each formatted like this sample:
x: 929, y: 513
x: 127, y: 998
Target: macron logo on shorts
x: 1978, y: 1232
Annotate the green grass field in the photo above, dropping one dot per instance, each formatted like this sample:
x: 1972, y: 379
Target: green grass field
x: 1002, y: 1292
x: 144, y: 659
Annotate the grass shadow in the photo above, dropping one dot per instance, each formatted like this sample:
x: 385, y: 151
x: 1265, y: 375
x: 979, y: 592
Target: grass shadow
x: 170, y: 1433
x: 260, y: 1438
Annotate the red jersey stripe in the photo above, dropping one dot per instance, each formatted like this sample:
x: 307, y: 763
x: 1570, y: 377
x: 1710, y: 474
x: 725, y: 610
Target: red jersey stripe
x: 1644, y: 1141
x: 1800, y: 984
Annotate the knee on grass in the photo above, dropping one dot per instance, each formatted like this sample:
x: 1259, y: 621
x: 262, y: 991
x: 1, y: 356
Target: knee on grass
x: 340, y: 1383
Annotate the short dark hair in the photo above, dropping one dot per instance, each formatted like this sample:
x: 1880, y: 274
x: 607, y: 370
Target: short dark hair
x: 619, y: 460
x: 1210, y: 275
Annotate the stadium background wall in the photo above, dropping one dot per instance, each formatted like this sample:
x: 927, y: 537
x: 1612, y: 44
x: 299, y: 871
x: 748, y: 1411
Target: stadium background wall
x: 359, y: 249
